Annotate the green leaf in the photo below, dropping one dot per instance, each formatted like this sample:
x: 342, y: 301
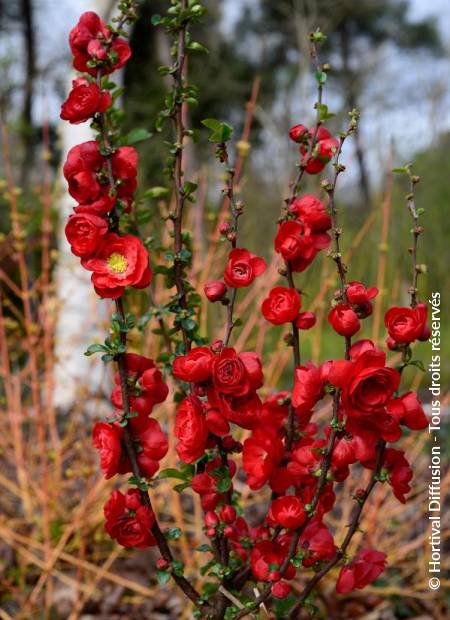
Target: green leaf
x: 321, y: 77
x: 172, y: 473
x: 156, y: 192
x: 403, y: 170
x: 221, y: 132
x: 324, y: 114
x: 203, y: 548
x: 95, y: 348
x: 173, y: 533
x: 156, y: 20
x: 211, y: 123
x: 162, y: 576
x: 224, y: 485
x: 137, y: 135
x: 194, y: 46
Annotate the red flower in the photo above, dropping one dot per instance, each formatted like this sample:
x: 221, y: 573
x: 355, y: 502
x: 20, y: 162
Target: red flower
x: 287, y: 511
x: 128, y: 521
x: 262, y: 453
x: 306, y: 320
x: 294, y: 245
x: 190, y: 430
x: 408, y: 410
x: 282, y: 305
x: 215, y: 290
x: 298, y: 133
x: 344, y: 320
x: 406, y: 324
x: 280, y: 589
x: 120, y: 262
x: 84, y: 100
x: 312, y: 212
x: 266, y: 560
x: 317, y: 543
x: 358, y: 294
x: 308, y: 388
x: 367, y: 386
x: 87, y: 42
x: 107, y: 439
x: 86, y: 172
x: 235, y: 374
x: 195, y: 366
x: 85, y: 232
x: 325, y: 146
x: 242, y: 268
x: 365, y: 567
x: 145, y: 383
x: 152, y: 445
x: 398, y: 470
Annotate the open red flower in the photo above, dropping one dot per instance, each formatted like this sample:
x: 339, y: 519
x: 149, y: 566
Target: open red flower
x: 120, y: 262
x: 312, y: 212
x: 317, y: 543
x: 190, y: 429
x: 344, y: 320
x: 84, y: 100
x: 365, y: 567
x: 88, y: 42
x: 262, y: 454
x: 107, y: 440
x: 282, y: 305
x: 367, y: 386
x: 287, y: 511
x: 308, y: 388
x: 408, y: 410
x: 406, y: 324
x: 243, y: 268
x: 195, y: 366
x: 85, y: 232
x: 128, y: 521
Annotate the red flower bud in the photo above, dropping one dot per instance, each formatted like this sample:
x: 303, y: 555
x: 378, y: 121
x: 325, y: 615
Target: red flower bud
x: 280, y: 589
x: 211, y: 519
x: 228, y: 514
x: 298, y: 133
x: 306, y: 320
x: 162, y: 564
x: 344, y: 320
x: 215, y: 290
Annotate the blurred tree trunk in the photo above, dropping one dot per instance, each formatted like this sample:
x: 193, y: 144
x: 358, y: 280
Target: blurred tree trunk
x: 81, y: 317
x: 351, y: 101
x: 29, y: 44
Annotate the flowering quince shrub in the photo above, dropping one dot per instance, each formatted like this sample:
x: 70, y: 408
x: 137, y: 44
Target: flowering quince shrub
x: 226, y: 428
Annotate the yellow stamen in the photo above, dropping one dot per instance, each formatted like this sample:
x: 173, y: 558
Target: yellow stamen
x: 117, y: 262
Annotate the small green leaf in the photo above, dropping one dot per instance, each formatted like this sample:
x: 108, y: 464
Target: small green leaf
x: 172, y: 473
x: 162, y: 576
x: 137, y: 135
x: 95, y: 348
x: 194, y: 46
x: 156, y: 20
x: 156, y: 192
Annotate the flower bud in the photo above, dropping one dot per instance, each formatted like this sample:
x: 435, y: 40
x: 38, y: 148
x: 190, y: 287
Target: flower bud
x: 215, y: 290
x: 228, y: 514
x: 211, y: 519
x: 162, y: 564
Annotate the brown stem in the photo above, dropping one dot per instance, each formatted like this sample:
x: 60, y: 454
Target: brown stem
x: 178, y: 173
